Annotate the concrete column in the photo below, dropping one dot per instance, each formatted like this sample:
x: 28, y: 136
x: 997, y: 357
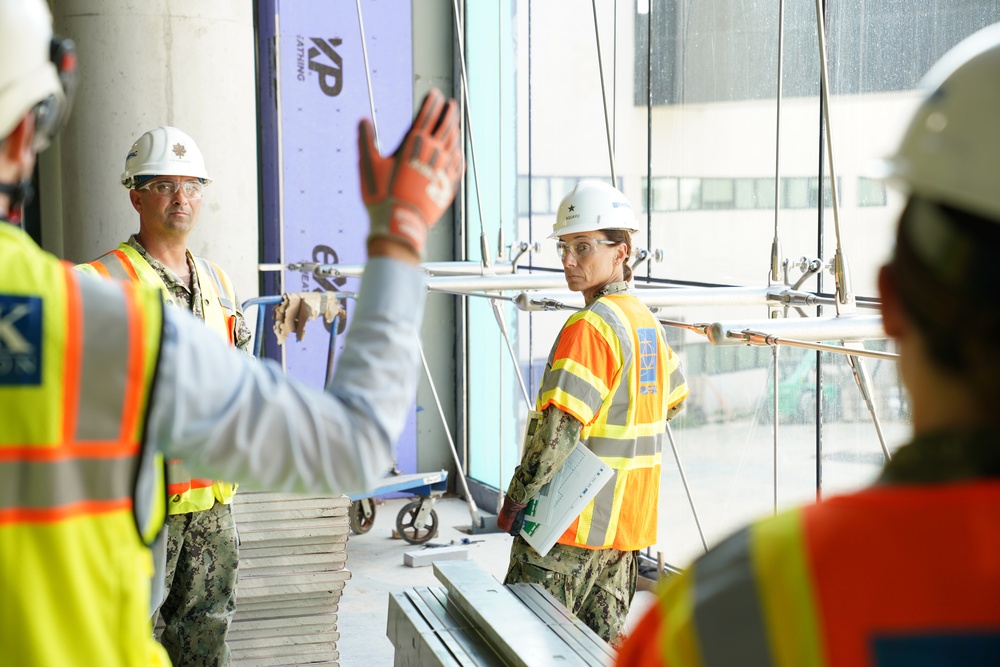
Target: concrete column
x: 186, y: 63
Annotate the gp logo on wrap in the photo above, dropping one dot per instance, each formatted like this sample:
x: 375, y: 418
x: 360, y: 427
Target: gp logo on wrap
x: 20, y: 340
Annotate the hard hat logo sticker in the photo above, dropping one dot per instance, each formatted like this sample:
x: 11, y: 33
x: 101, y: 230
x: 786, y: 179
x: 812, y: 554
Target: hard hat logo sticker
x: 179, y: 150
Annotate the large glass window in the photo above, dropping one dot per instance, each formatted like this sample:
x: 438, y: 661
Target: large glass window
x: 717, y: 166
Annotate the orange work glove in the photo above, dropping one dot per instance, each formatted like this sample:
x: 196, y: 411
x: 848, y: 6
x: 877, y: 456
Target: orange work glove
x: 407, y: 192
x: 511, y: 517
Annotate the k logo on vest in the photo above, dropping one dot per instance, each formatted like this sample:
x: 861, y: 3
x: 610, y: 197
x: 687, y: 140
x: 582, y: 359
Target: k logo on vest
x: 20, y: 340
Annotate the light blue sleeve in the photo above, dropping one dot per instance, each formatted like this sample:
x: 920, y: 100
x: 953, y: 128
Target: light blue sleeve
x: 230, y: 417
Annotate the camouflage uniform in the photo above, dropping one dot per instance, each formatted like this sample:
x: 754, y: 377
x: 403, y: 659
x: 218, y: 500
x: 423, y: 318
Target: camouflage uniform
x: 595, y: 584
x: 202, y: 547
x: 202, y: 571
x: 948, y: 456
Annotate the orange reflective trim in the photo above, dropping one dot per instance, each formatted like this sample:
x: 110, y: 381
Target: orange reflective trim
x: 100, y: 268
x: 55, y: 514
x: 135, y: 370
x: 126, y: 264
x: 72, y: 356
x: 90, y: 450
x: 643, y: 646
x: 184, y: 487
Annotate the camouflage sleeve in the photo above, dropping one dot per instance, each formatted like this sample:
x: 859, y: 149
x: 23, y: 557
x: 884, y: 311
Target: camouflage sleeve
x: 243, y: 335
x: 544, y: 453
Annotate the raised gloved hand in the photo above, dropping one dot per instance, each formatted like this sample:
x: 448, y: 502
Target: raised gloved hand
x: 407, y: 192
x: 511, y: 517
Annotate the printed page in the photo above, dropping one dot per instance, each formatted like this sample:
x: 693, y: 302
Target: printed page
x: 564, y: 497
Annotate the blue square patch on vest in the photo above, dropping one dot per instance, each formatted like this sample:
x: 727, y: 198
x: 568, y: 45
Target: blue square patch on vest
x: 20, y: 340
x: 928, y: 649
x: 647, y: 359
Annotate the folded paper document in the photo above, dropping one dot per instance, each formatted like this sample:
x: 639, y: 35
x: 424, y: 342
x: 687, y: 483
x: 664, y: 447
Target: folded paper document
x: 559, y: 502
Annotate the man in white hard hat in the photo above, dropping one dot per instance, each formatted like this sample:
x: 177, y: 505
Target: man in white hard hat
x: 166, y: 176
x: 904, y: 572
x: 99, y: 382
x: 611, y: 383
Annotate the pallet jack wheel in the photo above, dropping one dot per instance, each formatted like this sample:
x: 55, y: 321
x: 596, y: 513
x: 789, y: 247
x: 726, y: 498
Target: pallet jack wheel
x: 362, y: 515
x: 406, y: 523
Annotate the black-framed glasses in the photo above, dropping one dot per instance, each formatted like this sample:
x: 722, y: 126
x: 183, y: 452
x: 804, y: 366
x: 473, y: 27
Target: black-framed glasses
x: 191, y: 189
x: 581, y: 248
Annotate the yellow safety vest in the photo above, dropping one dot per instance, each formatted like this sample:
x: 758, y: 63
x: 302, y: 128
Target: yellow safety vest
x: 219, y: 307
x: 81, y: 492
x: 611, y: 368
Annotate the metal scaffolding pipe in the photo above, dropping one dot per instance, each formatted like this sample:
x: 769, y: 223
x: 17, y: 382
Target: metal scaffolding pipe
x: 525, y: 281
x: 812, y: 329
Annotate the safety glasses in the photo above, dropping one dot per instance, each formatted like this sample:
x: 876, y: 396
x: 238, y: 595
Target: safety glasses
x: 582, y: 248
x: 191, y: 189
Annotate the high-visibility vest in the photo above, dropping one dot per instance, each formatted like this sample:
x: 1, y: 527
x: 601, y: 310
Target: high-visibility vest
x: 81, y: 493
x: 892, y: 575
x: 611, y: 368
x: 219, y: 308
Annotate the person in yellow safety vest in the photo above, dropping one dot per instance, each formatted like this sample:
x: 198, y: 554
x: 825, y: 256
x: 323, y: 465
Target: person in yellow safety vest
x: 166, y: 176
x: 99, y: 381
x: 612, y: 383
x: 905, y: 572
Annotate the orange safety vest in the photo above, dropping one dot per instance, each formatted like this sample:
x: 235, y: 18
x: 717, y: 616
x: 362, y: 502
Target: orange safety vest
x: 219, y: 307
x: 612, y: 370
x: 892, y: 575
x: 81, y: 492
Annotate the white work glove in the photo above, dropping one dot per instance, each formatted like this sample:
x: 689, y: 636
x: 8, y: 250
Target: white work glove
x: 407, y: 192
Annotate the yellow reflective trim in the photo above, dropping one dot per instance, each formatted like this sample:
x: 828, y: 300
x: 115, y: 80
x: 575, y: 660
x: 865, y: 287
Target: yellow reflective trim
x: 195, y: 500
x: 102, y: 608
x: 603, y: 327
x: 786, y: 594
x: 565, y: 402
x: 679, y: 638
x: 23, y: 266
x: 677, y: 394
x: 158, y: 510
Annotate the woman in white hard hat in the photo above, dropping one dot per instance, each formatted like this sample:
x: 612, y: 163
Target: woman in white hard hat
x: 904, y: 572
x: 611, y: 383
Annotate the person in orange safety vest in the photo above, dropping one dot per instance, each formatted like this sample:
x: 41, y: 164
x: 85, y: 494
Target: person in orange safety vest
x: 907, y: 571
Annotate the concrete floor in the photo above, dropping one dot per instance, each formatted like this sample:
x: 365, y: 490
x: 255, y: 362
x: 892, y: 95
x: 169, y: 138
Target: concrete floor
x: 375, y: 560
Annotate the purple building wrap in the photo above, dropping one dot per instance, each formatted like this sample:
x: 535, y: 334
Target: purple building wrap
x: 314, y: 89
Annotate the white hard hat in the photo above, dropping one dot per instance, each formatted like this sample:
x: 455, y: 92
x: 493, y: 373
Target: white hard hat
x: 36, y: 70
x: 163, y: 151
x: 951, y: 151
x: 593, y: 205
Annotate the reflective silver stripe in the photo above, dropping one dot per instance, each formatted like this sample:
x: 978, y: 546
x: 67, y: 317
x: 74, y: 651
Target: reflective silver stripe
x: 643, y: 445
x: 220, y: 289
x: 618, y: 410
x: 113, y: 264
x: 600, y: 520
x: 102, y: 373
x: 574, y: 386
x: 48, y: 485
x: 727, y: 610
